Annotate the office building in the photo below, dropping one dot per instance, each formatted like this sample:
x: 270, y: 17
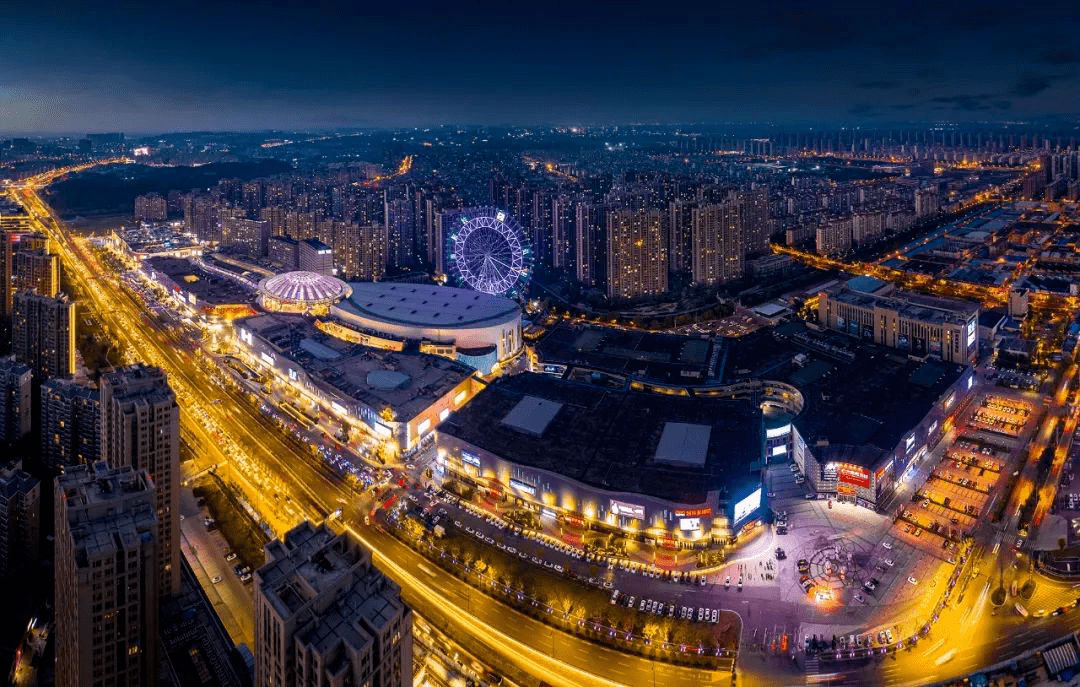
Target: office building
x: 37, y: 270
x: 107, y: 577
x: 140, y: 426
x: 16, y: 381
x: 20, y: 519
x: 717, y: 238
x: 324, y: 615
x: 922, y: 325
x: 315, y: 256
x: 70, y: 424
x: 43, y: 334
x: 637, y: 263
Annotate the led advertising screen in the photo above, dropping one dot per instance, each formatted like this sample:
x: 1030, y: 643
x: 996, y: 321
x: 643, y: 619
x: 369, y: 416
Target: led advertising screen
x: 855, y: 476
x: 746, y: 507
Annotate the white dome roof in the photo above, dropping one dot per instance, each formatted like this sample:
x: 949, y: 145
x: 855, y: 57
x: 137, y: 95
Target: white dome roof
x: 304, y: 287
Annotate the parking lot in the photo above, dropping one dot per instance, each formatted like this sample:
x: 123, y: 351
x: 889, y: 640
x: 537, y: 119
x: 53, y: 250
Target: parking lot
x: 966, y: 480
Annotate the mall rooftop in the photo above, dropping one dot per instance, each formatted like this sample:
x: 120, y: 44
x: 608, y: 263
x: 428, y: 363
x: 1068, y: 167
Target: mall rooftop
x: 649, y: 356
x: 406, y: 382
x: 855, y: 393
x: 667, y: 447
x: 208, y: 288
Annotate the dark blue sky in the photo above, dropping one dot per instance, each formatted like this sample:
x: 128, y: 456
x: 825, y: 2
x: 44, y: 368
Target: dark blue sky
x: 78, y: 67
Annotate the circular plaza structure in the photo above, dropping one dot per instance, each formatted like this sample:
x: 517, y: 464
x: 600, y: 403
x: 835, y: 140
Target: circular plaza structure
x: 472, y: 321
x: 301, y: 292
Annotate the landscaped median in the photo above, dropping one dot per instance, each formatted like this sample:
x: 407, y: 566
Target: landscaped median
x: 570, y: 603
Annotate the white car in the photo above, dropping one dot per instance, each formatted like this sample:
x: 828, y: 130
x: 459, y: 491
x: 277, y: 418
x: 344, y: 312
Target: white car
x: 887, y: 545
x: 912, y: 581
x: 889, y: 562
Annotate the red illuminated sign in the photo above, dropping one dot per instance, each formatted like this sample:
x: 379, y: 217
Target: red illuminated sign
x: 693, y: 512
x: 855, y: 476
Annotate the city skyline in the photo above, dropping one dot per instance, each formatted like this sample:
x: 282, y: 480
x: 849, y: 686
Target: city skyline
x: 246, y: 66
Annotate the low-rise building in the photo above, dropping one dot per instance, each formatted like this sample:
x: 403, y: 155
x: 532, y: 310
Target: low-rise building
x: 399, y: 396
x: 680, y: 471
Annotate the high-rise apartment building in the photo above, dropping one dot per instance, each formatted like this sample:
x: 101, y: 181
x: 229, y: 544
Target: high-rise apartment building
x: 43, y: 334
x: 315, y: 256
x: 325, y: 615
x: 151, y: 207
x: 37, y: 270
x: 754, y: 217
x: 589, y: 244
x: 680, y: 235
x: 70, y: 424
x: 637, y: 263
x: 360, y: 250
x: 717, y: 237
x: 16, y: 381
x: 284, y: 250
x: 140, y: 427
x: 20, y: 519
x: 107, y: 577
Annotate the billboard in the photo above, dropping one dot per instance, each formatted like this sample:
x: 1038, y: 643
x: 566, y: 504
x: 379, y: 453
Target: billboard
x: 470, y: 458
x: 971, y: 331
x: 629, y: 510
x: 855, y: 476
x: 687, y: 524
x: 778, y: 432
x: 523, y: 486
x: 693, y: 512
x: 746, y: 507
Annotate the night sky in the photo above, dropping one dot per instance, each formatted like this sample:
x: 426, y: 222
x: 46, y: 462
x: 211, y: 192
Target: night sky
x: 76, y: 67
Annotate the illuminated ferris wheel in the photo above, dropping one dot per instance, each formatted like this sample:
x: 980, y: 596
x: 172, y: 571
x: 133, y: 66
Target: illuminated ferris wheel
x: 490, y: 252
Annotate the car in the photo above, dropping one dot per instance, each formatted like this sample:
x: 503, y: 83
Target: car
x: 215, y: 579
x: 231, y: 556
x: 794, y: 467
x: 889, y: 636
x: 887, y: 544
x: 1059, y: 611
x: 859, y: 597
x: 917, y: 532
x: 715, y: 615
x: 804, y: 565
x: 912, y: 581
x: 727, y: 582
x: 780, y: 555
x: 810, y: 497
x: 889, y: 562
x: 1019, y: 543
x: 799, y: 479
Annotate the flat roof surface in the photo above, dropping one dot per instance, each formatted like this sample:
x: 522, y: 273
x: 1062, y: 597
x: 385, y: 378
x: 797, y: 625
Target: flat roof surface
x: 426, y: 305
x: 208, y: 288
x: 651, y: 356
x: 683, y: 443
x: 854, y: 392
x: 608, y: 438
x: 532, y: 415
x: 407, y: 382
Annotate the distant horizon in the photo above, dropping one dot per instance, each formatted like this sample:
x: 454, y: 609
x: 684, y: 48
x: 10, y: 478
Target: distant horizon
x: 1046, y: 121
